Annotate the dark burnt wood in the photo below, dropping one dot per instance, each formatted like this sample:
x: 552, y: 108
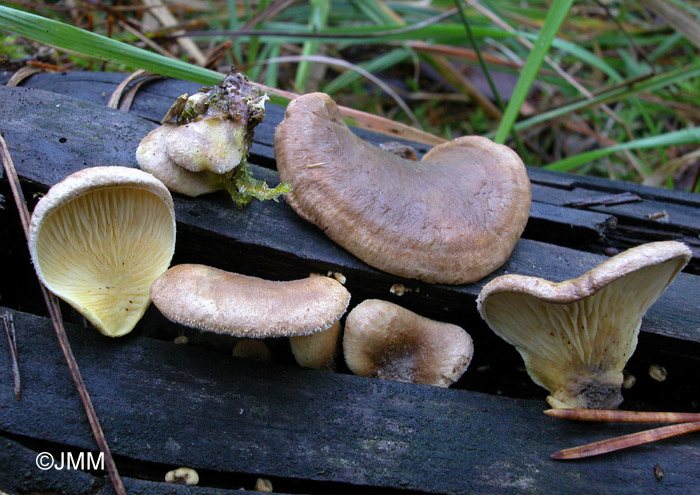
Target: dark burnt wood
x: 168, y: 405
x: 19, y: 474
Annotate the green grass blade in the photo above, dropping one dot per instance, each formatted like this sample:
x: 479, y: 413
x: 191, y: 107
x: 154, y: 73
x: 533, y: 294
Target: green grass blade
x: 380, y: 63
x: 552, y: 23
x: 94, y: 45
x: 617, y: 93
x: 273, y: 69
x: 675, y: 138
x: 233, y: 24
x: 319, y: 16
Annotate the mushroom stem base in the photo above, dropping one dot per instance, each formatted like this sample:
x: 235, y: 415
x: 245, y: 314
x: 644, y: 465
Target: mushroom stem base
x: 601, y: 391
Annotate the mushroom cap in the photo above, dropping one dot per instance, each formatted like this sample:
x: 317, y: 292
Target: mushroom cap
x: 451, y: 218
x: 153, y: 158
x: 576, y: 336
x: 218, y: 301
x: 317, y: 350
x: 384, y: 340
x: 215, y: 144
x: 99, y: 238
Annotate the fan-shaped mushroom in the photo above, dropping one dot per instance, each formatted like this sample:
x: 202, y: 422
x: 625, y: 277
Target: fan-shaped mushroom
x: 218, y: 301
x: 384, y: 340
x: 99, y: 238
x: 576, y: 336
x: 452, y: 218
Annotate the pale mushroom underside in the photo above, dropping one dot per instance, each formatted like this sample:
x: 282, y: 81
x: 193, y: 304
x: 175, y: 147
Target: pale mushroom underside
x: 101, y: 251
x: 576, y: 336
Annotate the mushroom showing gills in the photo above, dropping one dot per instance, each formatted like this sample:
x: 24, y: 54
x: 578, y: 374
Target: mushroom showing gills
x: 576, y: 336
x: 214, y: 300
x: 386, y: 341
x: 99, y: 238
x: 453, y: 217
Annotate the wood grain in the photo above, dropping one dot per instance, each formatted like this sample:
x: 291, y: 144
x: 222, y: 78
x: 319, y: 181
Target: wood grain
x: 164, y: 404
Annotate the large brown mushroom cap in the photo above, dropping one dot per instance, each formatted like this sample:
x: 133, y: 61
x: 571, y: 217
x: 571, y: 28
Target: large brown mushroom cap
x: 218, y: 301
x: 387, y: 341
x: 99, y: 238
x: 576, y: 336
x: 453, y: 217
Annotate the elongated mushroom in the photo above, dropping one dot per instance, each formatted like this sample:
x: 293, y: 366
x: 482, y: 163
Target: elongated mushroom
x: 451, y: 218
x: 386, y: 341
x: 218, y: 301
x: 576, y: 336
x: 99, y: 238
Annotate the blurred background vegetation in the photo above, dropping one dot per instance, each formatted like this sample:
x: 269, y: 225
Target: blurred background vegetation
x: 604, y: 87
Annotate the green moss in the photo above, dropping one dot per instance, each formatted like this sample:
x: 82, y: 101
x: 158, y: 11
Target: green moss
x: 243, y: 187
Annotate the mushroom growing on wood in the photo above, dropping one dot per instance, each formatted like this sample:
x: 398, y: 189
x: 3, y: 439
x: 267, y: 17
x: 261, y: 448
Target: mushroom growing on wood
x: 576, y: 336
x: 318, y: 350
x: 99, y: 238
x: 206, y: 149
x: 386, y: 341
x: 453, y: 217
x: 214, y: 300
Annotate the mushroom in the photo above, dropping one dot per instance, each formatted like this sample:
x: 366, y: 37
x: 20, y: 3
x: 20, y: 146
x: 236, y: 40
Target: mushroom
x: 252, y: 349
x: 318, y: 350
x: 183, y: 475
x: 206, y: 149
x: 152, y: 157
x: 217, y: 301
x: 576, y: 336
x: 99, y: 238
x: 387, y: 341
x: 451, y: 218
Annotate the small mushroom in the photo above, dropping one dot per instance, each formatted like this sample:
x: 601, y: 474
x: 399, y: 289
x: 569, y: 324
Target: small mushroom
x: 99, y: 238
x: 183, y: 475
x: 206, y: 149
x: 453, y: 217
x: 263, y: 485
x: 217, y: 301
x: 386, y: 341
x: 215, y: 145
x: 576, y: 336
x: 152, y: 157
x: 252, y: 349
x: 318, y: 350
x: 658, y: 373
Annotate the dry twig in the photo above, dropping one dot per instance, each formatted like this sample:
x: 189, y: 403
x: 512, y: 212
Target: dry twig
x: 622, y: 416
x: 9, y: 323
x: 623, y: 442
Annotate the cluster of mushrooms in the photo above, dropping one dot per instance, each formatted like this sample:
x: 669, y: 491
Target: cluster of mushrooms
x: 116, y: 229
